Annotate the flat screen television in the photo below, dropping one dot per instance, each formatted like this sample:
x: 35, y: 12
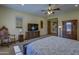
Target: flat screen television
x: 32, y: 27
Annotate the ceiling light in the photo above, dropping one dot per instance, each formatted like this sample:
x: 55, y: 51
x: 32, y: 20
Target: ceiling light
x: 76, y: 5
x: 22, y: 4
x: 49, y: 13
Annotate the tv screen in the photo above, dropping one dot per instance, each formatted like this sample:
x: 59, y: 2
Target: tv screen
x: 32, y: 27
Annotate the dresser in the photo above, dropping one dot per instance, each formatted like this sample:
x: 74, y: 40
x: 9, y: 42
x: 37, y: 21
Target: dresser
x: 32, y: 34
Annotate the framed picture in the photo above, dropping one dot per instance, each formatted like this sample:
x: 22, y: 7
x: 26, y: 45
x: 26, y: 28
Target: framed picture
x: 19, y: 22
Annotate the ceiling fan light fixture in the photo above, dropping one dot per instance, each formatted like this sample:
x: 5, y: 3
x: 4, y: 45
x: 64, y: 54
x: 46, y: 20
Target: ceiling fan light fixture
x: 49, y: 13
x: 50, y: 10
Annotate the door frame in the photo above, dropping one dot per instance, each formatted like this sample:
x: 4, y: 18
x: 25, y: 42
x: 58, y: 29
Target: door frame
x: 49, y: 28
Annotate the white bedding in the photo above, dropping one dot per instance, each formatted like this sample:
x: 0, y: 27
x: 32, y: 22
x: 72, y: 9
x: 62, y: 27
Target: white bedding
x: 53, y: 46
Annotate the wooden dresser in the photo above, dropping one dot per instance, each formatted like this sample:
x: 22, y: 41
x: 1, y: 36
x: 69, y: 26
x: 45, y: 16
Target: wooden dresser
x: 32, y: 34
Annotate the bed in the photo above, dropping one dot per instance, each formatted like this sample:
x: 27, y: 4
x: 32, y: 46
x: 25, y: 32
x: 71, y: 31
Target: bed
x: 52, y: 46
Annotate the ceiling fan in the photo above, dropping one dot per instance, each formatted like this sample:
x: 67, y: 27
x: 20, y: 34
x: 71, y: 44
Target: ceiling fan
x: 50, y: 10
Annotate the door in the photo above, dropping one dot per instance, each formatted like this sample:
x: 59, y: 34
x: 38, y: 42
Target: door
x: 49, y: 27
x: 69, y: 29
x: 53, y: 27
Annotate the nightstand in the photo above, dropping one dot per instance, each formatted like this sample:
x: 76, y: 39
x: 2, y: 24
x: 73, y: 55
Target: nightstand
x: 21, y: 38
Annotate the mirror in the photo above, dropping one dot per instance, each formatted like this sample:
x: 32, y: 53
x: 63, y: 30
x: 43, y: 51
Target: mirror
x: 69, y: 27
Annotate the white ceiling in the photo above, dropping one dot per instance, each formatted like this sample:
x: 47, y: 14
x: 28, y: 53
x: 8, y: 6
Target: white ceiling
x: 36, y: 8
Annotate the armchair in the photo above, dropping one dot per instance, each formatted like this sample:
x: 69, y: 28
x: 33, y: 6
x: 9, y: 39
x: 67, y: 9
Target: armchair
x: 5, y: 37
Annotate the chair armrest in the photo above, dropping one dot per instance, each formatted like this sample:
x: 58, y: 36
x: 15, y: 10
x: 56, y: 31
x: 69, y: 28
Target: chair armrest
x: 12, y: 37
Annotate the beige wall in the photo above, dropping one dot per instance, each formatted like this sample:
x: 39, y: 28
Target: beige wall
x: 8, y: 19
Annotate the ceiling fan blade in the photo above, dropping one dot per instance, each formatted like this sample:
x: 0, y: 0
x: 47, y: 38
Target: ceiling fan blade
x: 43, y: 10
x: 53, y: 12
x: 46, y: 13
x: 57, y: 9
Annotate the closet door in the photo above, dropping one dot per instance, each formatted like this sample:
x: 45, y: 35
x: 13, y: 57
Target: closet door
x: 70, y: 29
